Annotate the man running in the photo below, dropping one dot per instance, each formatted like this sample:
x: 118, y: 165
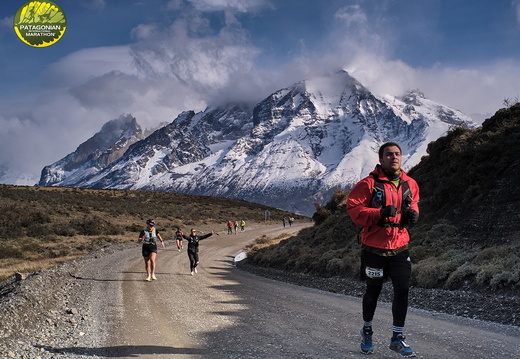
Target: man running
x: 384, y: 203
x: 149, y: 238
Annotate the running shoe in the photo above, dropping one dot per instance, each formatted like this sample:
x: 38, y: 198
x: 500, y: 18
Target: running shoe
x: 398, y: 345
x: 191, y: 273
x: 149, y: 278
x: 195, y: 270
x: 154, y: 277
x: 366, y: 341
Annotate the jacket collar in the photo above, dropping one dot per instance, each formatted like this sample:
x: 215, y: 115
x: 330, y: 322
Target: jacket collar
x: 380, y: 173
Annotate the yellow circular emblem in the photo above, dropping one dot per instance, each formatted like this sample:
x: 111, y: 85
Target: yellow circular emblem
x: 40, y: 23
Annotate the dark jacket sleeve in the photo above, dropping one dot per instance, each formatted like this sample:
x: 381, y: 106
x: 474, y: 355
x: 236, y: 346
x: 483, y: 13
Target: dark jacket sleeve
x: 205, y: 236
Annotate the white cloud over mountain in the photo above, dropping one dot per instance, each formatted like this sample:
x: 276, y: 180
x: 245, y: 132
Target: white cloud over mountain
x: 207, y: 55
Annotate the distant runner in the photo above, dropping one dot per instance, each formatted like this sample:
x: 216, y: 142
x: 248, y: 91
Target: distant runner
x: 178, y: 238
x: 230, y: 227
x: 149, y: 238
x: 193, y: 248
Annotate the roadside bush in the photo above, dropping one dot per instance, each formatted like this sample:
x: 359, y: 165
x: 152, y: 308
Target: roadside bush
x: 65, y: 230
x: 441, y: 232
x: 134, y: 227
x: 37, y: 230
x: 335, y: 265
x: 456, y: 279
x: 323, y: 213
x: 429, y: 273
x: 506, y: 279
x: 58, y: 253
x: 9, y: 249
x: 93, y: 225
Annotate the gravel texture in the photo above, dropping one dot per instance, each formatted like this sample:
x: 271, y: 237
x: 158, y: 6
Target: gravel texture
x: 502, y: 308
x: 52, y: 309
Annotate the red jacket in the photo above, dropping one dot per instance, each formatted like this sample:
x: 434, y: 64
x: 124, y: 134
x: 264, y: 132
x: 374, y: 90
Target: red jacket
x: 359, y: 209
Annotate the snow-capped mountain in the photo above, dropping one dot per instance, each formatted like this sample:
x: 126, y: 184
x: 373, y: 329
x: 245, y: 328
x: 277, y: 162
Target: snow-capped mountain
x: 95, y: 154
x: 293, y: 149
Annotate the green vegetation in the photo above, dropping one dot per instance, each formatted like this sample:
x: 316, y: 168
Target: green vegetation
x: 467, y: 236
x: 42, y: 226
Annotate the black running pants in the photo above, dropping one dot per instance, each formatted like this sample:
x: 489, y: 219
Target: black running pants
x: 194, y: 259
x: 398, y: 268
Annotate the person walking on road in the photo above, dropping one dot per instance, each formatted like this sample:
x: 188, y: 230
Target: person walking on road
x: 149, y: 238
x: 193, y: 248
x: 242, y: 225
x: 230, y: 227
x: 178, y: 239
x: 235, y: 224
x: 385, y: 203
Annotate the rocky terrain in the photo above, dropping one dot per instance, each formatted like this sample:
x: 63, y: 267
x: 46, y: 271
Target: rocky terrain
x: 51, y: 313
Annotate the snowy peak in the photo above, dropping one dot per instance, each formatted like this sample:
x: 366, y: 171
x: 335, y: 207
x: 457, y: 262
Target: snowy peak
x: 292, y: 149
x: 102, y: 149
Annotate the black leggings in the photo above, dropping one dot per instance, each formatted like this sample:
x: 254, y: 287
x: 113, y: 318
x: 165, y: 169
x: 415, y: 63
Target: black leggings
x: 399, y: 269
x: 194, y: 260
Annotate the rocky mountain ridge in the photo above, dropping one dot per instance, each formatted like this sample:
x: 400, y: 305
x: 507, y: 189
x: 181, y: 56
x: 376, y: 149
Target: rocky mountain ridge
x: 291, y: 150
x: 98, y: 152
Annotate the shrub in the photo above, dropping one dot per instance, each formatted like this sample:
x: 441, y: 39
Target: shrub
x: 335, y: 265
x: 94, y: 225
x: 458, y: 277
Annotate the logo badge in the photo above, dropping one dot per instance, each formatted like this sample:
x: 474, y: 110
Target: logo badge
x: 40, y: 23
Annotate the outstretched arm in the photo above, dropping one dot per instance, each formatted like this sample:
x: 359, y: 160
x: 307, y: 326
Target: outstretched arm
x: 207, y: 235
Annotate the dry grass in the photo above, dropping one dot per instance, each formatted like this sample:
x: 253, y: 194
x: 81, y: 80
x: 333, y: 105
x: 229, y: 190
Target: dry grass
x: 43, y: 226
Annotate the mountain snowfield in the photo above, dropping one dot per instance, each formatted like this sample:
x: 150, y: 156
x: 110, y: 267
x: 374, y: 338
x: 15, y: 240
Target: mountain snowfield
x: 291, y: 150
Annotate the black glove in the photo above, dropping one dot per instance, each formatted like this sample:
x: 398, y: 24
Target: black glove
x: 410, y: 217
x: 388, y: 211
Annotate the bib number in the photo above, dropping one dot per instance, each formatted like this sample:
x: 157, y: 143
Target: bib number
x: 374, y: 273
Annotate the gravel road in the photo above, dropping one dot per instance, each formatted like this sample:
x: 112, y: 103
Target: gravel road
x: 100, y: 306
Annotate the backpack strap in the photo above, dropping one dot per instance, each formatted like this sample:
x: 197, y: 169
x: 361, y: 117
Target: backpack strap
x: 379, y: 199
x: 407, y: 197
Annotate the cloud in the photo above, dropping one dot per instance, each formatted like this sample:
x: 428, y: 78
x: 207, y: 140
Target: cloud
x: 86, y: 64
x: 352, y: 15
x: 184, y: 66
x: 515, y: 4
x: 189, y: 64
x: 198, y: 60
x: 6, y: 22
x: 468, y: 89
x: 234, y: 5
x: 359, y: 46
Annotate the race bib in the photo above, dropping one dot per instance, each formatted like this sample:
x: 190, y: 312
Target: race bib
x: 374, y: 272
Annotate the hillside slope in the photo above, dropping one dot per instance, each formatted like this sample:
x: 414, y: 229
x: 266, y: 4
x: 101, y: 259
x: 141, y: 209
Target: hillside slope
x: 42, y: 226
x: 467, y: 235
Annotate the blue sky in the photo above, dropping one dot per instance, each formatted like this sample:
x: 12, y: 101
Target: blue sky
x: 156, y: 58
